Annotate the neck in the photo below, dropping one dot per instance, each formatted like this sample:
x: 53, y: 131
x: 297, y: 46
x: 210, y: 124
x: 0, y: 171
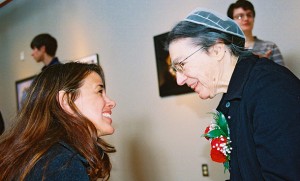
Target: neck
x: 249, y: 39
x: 226, y: 71
x: 47, y: 59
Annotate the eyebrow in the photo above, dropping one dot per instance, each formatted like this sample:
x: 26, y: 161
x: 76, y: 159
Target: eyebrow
x: 101, y: 86
x: 177, y: 60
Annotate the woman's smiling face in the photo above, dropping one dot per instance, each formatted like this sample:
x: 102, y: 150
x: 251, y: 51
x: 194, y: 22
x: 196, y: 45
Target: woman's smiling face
x: 94, y: 104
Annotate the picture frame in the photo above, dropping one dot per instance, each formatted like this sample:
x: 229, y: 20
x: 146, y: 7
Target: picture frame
x: 22, y: 88
x: 166, y: 75
x: 94, y: 58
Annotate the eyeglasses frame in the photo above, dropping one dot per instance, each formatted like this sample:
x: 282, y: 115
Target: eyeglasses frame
x: 178, y: 66
x: 241, y: 16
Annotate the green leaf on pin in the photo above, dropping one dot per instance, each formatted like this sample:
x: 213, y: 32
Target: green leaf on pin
x: 226, y: 166
x: 214, y: 133
x: 221, y: 121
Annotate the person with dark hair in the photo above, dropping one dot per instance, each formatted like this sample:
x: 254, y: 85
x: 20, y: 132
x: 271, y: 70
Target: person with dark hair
x: 256, y: 128
x: 44, y: 47
x: 242, y: 11
x: 58, y: 132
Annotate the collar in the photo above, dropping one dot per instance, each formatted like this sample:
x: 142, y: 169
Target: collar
x: 83, y: 160
x: 53, y: 62
x: 239, y: 77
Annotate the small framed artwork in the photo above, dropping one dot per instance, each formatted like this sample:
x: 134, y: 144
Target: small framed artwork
x: 89, y: 59
x: 166, y: 75
x: 22, y: 87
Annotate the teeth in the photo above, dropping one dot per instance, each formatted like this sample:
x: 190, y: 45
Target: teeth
x: 106, y: 115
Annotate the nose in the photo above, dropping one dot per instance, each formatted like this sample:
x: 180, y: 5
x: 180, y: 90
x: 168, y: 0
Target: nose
x: 180, y: 78
x: 110, y: 103
x: 245, y: 17
x: 32, y: 53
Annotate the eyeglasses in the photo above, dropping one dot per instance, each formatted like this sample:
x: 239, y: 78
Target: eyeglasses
x: 178, y: 66
x: 242, y: 16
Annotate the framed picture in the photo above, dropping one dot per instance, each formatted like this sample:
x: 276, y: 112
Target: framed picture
x: 22, y: 88
x: 89, y: 59
x: 166, y: 75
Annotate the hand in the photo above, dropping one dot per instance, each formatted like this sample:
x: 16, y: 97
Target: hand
x: 266, y: 55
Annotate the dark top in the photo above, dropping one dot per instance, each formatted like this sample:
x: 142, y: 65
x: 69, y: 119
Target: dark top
x: 262, y: 107
x: 61, y: 162
x: 1, y: 124
x: 53, y: 62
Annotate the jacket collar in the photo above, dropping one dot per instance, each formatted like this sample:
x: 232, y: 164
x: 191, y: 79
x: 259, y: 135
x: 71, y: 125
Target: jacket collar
x: 239, y: 77
x: 53, y: 62
x: 83, y: 160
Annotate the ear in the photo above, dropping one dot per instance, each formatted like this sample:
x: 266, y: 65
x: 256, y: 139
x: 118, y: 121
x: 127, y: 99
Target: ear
x: 218, y: 51
x: 43, y: 48
x: 63, y: 101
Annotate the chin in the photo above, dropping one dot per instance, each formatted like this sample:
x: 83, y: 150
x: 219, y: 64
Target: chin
x: 111, y: 132
x: 204, y: 97
x: 203, y: 94
x: 108, y: 132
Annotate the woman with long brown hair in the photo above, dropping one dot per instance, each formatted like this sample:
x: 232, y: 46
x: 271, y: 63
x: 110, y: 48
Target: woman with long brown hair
x: 57, y: 135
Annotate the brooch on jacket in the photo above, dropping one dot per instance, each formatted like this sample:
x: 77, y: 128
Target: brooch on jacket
x: 218, y: 135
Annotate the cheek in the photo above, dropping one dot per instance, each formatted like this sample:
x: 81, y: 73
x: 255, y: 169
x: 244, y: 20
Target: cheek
x: 94, y: 108
x: 196, y: 72
x: 34, y: 54
x: 239, y: 22
x: 90, y: 107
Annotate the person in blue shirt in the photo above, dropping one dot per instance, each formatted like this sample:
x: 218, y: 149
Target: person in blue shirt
x: 59, y: 131
x: 44, y: 48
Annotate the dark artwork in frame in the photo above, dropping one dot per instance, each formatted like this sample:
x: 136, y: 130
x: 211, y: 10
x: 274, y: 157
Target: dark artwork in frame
x: 166, y: 76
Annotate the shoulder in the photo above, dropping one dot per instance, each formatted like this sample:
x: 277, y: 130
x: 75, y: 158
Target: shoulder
x: 266, y: 69
x: 268, y: 75
x: 270, y: 87
x: 263, y: 45
x: 60, y: 162
x: 262, y: 75
x: 55, y: 60
x: 260, y: 41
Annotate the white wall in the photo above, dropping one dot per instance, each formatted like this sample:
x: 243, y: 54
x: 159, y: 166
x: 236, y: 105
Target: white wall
x: 156, y: 138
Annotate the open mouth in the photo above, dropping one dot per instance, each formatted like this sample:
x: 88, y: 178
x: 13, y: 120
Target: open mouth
x: 107, y: 115
x: 193, y: 86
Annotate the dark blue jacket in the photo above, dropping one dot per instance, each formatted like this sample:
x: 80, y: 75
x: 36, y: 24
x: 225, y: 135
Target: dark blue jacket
x: 262, y: 107
x: 61, y: 162
x: 53, y: 62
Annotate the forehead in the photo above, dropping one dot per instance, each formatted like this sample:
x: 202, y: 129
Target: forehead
x: 92, y: 79
x: 179, y: 47
x: 35, y: 49
x: 241, y: 10
x: 182, y: 43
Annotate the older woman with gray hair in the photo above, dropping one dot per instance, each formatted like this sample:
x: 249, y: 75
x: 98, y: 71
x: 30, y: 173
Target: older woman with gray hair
x: 261, y: 99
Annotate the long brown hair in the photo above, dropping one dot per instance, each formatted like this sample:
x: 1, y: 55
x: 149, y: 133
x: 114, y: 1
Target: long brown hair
x: 42, y: 122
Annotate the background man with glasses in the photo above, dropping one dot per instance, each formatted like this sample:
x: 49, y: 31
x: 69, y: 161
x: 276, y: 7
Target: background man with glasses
x: 243, y: 13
